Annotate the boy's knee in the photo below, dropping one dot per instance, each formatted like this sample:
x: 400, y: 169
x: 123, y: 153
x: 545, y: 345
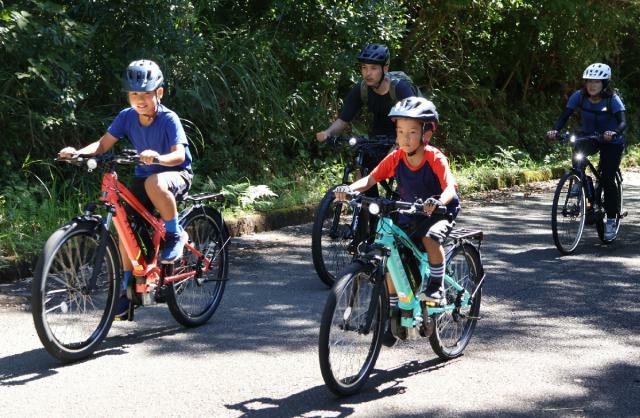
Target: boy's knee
x: 430, y: 244
x: 154, y: 182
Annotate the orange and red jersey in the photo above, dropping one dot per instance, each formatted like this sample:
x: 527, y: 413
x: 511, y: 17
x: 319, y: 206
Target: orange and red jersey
x: 427, y: 179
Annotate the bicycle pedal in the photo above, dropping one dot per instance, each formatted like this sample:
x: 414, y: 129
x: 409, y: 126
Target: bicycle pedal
x: 624, y: 214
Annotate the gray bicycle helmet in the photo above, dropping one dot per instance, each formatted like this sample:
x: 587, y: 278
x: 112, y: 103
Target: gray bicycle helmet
x: 417, y: 108
x: 142, y: 75
x: 375, y: 54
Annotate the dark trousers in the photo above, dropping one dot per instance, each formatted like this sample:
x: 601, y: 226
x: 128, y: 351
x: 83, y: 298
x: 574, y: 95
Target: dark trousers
x: 610, y: 157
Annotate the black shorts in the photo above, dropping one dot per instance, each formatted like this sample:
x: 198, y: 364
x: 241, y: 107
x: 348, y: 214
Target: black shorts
x: 178, y: 182
x: 437, y: 227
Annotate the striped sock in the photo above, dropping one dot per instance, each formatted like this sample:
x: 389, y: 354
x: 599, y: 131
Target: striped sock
x: 393, y: 301
x: 436, y: 273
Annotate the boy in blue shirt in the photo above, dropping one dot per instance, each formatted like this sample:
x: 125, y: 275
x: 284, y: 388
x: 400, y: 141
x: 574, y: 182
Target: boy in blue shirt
x: 157, y: 134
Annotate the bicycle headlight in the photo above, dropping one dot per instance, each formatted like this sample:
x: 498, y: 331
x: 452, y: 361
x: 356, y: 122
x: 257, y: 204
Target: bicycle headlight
x: 352, y: 141
x: 572, y: 139
x: 578, y: 156
x: 92, y: 164
x: 374, y: 208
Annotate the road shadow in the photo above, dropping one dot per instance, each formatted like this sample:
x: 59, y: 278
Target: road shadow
x: 32, y: 365
x: 381, y: 384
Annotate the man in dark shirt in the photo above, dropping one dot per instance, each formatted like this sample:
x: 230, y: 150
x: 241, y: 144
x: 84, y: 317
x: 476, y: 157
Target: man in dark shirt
x: 374, y: 65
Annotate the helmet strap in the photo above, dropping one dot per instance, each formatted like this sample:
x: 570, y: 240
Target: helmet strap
x: 381, y: 78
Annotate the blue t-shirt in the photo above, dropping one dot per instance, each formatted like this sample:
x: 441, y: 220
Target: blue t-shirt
x: 596, y: 117
x: 165, y: 132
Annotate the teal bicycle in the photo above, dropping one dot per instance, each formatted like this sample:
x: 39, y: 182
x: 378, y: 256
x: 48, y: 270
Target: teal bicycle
x: 357, y: 308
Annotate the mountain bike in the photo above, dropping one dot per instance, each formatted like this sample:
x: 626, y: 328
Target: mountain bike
x: 339, y: 228
x: 357, y: 308
x: 77, y: 277
x: 578, y: 201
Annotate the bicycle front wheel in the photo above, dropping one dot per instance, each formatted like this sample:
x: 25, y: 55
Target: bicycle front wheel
x: 568, y: 213
x: 331, y: 237
x: 453, y: 329
x: 72, y: 313
x: 194, y: 300
x: 601, y: 220
x: 351, y: 329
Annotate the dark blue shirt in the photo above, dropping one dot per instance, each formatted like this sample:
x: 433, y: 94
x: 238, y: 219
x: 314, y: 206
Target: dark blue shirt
x: 596, y: 117
x: 165, y: 132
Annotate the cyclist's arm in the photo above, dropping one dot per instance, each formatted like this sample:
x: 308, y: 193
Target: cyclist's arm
x: 363, y: 184
x: 174, y: 158
x: 448, y: 194
x: 562, y: 120
x: 622, y: 122
x: 336, y: 128
x: 101, y: 146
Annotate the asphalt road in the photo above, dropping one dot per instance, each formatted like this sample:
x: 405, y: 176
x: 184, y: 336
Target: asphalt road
x: 560, y: 336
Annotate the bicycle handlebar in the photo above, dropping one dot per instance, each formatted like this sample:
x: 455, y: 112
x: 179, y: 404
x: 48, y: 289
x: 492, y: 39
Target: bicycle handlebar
x: 575, y: 139
x: 361, y: 141
x: 384, y: 206
x: 126, y: 157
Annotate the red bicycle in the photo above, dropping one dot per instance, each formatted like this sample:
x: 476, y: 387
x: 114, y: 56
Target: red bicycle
x: 77, y: 278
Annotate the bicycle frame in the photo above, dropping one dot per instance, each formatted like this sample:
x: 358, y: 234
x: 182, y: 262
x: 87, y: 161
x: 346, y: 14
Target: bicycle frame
x: 113, y: 192
x: 388, y: 236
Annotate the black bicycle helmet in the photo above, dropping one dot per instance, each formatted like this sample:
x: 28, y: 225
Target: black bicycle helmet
x: 417, y: 108
x: 142, y: 75
x: 375, y: 54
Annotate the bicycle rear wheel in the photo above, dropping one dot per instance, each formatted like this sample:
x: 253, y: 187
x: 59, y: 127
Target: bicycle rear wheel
x: 194, y: 300
x: 452, y: 330
x: 71, y: 314
x: 568, y: 213
x: 351, y: 329
x: 601, y: 220
x: 331, y: 237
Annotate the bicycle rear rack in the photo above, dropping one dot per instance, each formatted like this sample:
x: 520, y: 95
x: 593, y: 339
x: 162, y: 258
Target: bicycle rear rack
x: 464, y: 233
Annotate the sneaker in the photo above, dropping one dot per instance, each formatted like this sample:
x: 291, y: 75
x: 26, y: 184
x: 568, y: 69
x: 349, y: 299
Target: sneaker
x: 173, y: 244
x: 122, y: 309
x: 610, y: 229
x: 433, y: 295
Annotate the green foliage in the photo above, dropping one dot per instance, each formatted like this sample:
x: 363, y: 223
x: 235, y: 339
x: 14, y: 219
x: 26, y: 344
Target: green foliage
x: 254, y: 80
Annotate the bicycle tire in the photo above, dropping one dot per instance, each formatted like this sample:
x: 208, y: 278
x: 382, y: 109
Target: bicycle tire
x: 451, y: 333
x: 330, y: 254
x: 61, y: 299
x: 342, y: 330
x: 601, y: 221
x: 568, y: 204
x: 193, y: 301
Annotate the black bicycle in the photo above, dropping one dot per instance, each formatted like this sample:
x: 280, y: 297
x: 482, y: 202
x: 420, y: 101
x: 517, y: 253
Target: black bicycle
x: 338, y: 228
x: 578, y: 201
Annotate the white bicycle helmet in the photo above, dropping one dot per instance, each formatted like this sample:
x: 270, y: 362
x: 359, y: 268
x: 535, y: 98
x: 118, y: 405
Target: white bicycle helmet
x: 597, y: 71
x: 417, y: 108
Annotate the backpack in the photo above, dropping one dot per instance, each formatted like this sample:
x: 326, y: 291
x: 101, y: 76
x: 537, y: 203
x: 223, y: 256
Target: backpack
x: 396, y: 77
